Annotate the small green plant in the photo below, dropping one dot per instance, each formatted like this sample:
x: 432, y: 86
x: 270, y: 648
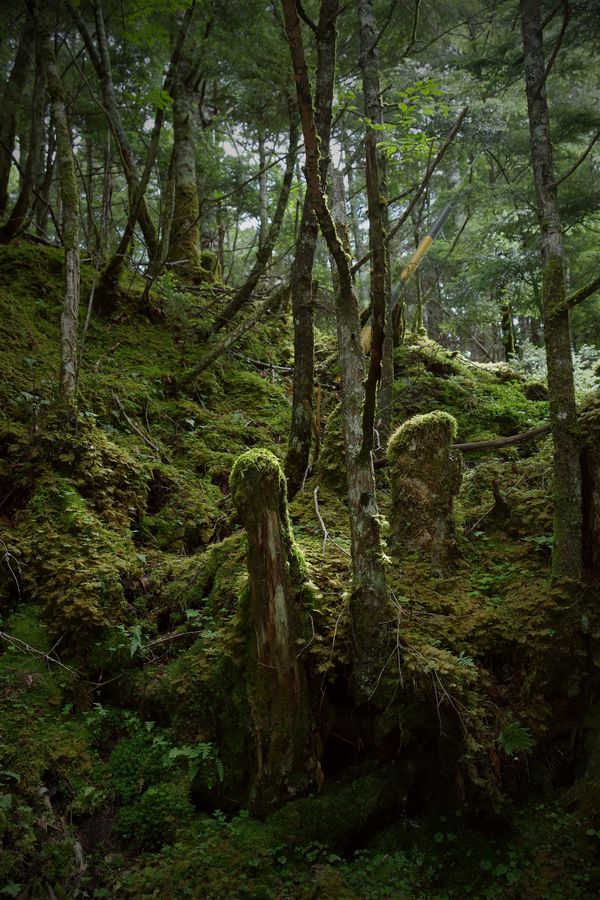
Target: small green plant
x: 515, y: 738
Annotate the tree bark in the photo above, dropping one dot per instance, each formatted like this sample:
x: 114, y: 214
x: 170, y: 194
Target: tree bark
x: 566, y: 557
x: 381, y: 367
x: 69, y: 193
x: 184, y: 237
x: 368, y: 601
x: 298, y: 454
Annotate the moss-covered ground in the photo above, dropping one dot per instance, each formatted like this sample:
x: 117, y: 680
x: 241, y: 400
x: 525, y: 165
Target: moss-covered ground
x: 125, y: 728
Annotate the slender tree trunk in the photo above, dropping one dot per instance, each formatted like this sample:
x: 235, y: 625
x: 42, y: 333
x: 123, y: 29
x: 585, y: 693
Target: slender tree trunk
x: 368, y: 602
x: 41, y: 207
x: 263, y: 255
x: 566, y: 557
x: 298, y: 453
x: 69, y: 193
x: 263, y: 190
x: 353, y: 190
x: 508, y: 331
x: 381, y: 368
x: 10, y: 108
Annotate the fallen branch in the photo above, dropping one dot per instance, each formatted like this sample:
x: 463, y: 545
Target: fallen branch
x: 323, y: 526
x: 493, y: 444
x: 150, y: 443
x: 420, y: 190
x: 271, y: 304
x: 33, y: 651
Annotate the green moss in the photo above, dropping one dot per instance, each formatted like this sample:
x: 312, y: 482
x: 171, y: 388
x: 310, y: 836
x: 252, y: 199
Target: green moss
x: 332, y: 458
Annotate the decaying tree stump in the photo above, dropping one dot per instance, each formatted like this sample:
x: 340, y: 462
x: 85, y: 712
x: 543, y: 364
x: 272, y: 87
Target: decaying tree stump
x: 425, y: 474
x: 286, y: 761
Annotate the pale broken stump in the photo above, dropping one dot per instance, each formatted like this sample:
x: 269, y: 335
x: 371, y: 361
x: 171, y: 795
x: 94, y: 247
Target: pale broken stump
x: 284, y: 736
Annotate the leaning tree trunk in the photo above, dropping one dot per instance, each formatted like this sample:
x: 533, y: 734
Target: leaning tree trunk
x: 298, y: 454
x: 69, y: 194
x: 566, y: 557
x: 368, y: 601
x: 286, y: 762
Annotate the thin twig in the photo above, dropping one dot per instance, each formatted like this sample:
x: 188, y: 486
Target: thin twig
x: 138, y: 430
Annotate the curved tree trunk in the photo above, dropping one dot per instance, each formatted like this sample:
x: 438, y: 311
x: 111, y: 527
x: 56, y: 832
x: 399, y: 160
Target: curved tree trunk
x: 298, y: 454
x: 100, y: 58
x: 566, y: 556
x: 263, y: 255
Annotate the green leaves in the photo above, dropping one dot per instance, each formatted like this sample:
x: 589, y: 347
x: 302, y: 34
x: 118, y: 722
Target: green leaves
x: 515, y: 738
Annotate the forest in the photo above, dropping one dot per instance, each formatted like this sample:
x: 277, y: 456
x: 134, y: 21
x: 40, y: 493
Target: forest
x: 299, y: 449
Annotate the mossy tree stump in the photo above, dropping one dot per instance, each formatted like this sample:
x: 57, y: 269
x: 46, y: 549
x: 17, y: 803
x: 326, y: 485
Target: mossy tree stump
x: 286, y: 763
x: 425, y: 475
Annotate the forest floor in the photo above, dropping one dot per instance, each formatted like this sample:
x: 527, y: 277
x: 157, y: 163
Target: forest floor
x: 120, y: 651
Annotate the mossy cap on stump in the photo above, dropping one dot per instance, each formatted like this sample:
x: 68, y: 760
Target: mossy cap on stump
x: 428, y: 428
x: 255, y: 470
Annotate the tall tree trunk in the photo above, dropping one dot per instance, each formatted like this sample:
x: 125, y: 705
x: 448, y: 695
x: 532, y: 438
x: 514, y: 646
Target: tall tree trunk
x: 298, y: 454
x: 11, y: 106
x: 184, y: 237
x: 381, y: 368
x: 368, y: 601
x: 566, y: 557
x: 69, y: 193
